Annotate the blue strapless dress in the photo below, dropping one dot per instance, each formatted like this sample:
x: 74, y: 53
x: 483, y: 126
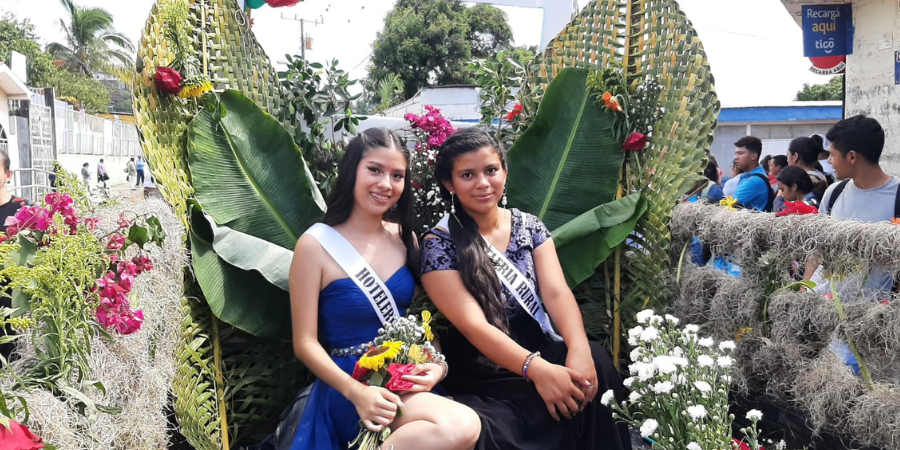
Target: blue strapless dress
x: 346, y: 319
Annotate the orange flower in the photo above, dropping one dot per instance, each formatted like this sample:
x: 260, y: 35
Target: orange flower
x: 895, y: 221
x: 606, y: 97
x: 614, y: 105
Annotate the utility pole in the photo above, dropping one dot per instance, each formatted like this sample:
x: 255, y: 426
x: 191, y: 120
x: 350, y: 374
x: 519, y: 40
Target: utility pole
x: 319, y: 21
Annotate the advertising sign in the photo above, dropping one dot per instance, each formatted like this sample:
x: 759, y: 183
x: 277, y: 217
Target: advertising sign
x: 827, y: 30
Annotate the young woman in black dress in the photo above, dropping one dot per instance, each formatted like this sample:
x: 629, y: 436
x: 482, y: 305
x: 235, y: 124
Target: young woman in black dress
x: 531, y: 392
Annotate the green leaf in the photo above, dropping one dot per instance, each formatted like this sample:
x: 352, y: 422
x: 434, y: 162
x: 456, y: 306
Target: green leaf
x: 138, y: 235
x: 24, y: 256
x: 248, y: 173
x: 242, y: 298
x: 568, y: 161
x: 271, y: 261
x: 585, y: 242
x: 157, y: 233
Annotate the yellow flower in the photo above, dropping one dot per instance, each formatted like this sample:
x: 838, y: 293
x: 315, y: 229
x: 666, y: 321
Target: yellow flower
x: 416, y: 354
x: 374, y: 359
x: 426, y: 325
x: 195, y: 89
x: 728, y: 202
x: 741, y: 333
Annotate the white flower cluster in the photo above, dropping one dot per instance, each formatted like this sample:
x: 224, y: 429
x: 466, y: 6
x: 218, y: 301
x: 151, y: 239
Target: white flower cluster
x: 679, y: 381
x: 410, y: 331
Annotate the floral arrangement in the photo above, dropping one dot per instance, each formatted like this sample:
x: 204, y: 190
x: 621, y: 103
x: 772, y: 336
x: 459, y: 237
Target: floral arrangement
x: 68, y: 283
x: 183, y: 76
x: 634, y: 105
x: 399, y: 347
x: 430, y: 130
x: 679, y: 388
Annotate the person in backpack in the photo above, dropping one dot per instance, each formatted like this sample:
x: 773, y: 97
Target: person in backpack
x: 753, y: 190
x: 866, y: 194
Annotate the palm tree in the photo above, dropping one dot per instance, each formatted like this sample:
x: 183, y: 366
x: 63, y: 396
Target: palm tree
x: 389, y: 91
x: 91, y: 42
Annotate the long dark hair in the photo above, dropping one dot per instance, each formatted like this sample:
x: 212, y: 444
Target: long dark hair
x: 793, y: 175
x: 341, y: 201
x: 808, y: 148
x: 475, y: 266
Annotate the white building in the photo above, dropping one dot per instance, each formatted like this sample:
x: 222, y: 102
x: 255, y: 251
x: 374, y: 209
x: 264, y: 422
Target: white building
x: 11, y: 88
x: 871, y: 87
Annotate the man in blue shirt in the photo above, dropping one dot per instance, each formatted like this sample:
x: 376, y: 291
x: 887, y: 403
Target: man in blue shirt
x: 753, y: 189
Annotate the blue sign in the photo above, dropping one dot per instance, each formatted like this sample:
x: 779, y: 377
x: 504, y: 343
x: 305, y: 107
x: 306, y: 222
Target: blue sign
x: 827, y: 30
x: 896, y: 67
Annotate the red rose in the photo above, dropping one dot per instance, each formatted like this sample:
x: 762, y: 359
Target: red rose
x: 167, y: 80
x: 744, y: 446
x: 280, y: 3
x: 359, y: 373
x: 18, y: 437
x: 635, y: 142
x: 397, y: 371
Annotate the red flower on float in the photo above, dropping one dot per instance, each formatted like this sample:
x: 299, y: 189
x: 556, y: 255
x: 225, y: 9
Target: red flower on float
x: 167, y: 80
x: 635, y: 142
x: 18, y: 437
x: 282, y: 3
x: 516, y: 112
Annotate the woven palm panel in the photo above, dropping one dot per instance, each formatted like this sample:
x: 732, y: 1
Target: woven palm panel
x: 195, y: 389
x: 162, y: 120
x: 659, y: 41
x: 664, y: 46
x: 238, y: 395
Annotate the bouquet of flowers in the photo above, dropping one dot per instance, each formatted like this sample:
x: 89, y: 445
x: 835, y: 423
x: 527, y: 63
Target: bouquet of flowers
x: 399, y: 347
x: 679, y: 388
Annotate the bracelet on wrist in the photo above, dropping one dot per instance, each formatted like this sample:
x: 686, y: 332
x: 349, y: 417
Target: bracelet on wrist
x: 527, y: 363
x: 444, y: 366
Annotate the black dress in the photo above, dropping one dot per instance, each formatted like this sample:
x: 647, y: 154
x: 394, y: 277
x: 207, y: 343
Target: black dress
x: 513, y: 414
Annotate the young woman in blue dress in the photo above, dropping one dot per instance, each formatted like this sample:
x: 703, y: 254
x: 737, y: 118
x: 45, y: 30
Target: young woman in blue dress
x: 487, y: 269
x: 333, y: 319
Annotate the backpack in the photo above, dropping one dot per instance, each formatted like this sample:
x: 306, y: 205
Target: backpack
x: 843, y: 184
x: 771, y: 199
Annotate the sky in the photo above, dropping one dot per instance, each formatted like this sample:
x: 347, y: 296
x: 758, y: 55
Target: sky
x: 754, y: 47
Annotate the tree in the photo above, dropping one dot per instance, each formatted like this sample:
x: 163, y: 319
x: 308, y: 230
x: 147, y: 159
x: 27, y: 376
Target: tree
x: 91, y: 42
x: 81, y: 90
x: 833, y: 90
x: 430, y: 41
x: 20, y: 36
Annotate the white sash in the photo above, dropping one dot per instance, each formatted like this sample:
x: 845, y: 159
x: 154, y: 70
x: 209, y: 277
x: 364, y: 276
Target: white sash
x: 516, y: 283
x: 358, y: 269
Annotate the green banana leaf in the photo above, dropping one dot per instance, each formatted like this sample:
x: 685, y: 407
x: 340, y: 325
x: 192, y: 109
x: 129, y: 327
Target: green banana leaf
x: 271, y: 261
x: 248, y: 173
x: 568, y: 161
x: 586, y: 241
x: 242, y: 298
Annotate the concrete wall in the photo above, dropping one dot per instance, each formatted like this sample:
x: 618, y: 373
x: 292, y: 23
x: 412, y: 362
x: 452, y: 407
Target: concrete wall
x: 870, y: 72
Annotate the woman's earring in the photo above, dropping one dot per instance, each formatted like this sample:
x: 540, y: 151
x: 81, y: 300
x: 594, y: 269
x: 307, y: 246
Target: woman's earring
x: 452, y: 204
x: 503, y: 200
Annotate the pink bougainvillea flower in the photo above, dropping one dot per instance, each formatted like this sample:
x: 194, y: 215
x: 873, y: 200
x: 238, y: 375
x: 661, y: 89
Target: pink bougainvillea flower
x: 18, y: 437
x: 143, y: 264
x: 397, y: 383
x: 123, y: 222
x: 91, y: 223
x: 635, y: 142
x: 116, y: 242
